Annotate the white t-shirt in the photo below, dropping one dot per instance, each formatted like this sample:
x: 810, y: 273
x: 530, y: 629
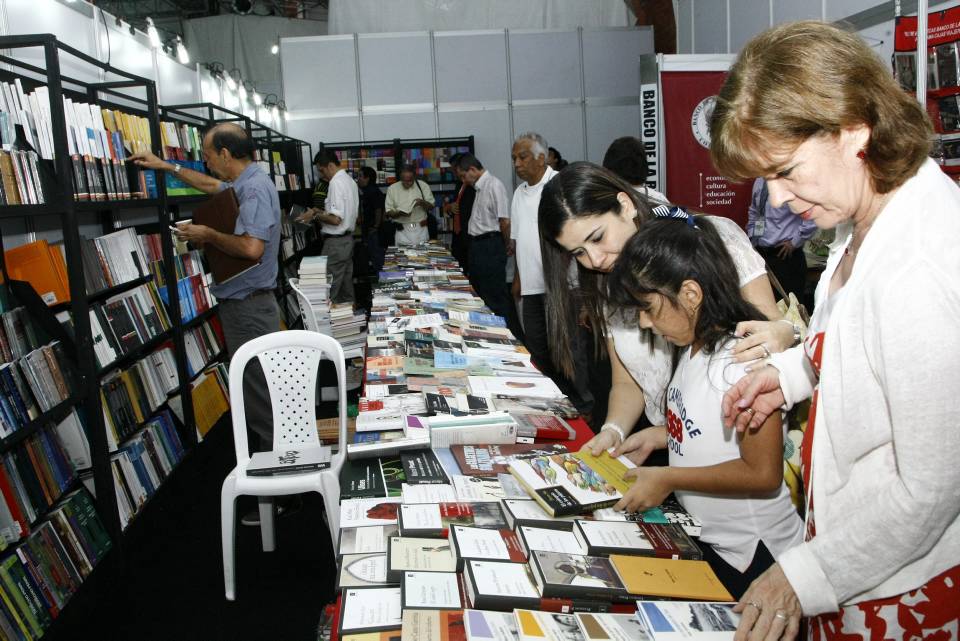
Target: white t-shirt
x: 524, y: 228
x: 650, y: 368
x: 733, y: 525
x: 343, y: 200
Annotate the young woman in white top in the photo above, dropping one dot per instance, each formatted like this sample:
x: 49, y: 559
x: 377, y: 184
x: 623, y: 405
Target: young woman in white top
x: 676, y: 279
x: 588, y: 213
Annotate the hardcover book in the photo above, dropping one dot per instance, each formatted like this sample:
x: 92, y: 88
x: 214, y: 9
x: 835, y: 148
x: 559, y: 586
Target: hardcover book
x: 479, y: 543
x: 548, y: 540
x: 430, y: 590
x: 370, y: 610
x: 363, y: 512
x: 365, y: 540
x: 499, y: 585
x: 564, y: 575
x: 433, y: 625
x: 520, y: 512
x: 564, y: 484
x: 646, y: 539
x: 423, y: 467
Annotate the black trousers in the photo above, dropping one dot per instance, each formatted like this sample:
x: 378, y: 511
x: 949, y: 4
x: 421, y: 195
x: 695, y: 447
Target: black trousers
x: 790, y: 271
x: 738, y: 582
x: 488, y: 275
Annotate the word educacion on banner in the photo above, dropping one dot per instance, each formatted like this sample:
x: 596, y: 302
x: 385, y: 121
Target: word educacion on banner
x: 715, y: 190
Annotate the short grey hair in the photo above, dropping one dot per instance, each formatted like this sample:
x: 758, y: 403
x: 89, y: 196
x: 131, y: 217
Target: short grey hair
x: 539, y: 143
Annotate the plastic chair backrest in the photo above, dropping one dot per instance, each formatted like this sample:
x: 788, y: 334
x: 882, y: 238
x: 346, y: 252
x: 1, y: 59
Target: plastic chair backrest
x: 306, y: 309
x: 290, y: 360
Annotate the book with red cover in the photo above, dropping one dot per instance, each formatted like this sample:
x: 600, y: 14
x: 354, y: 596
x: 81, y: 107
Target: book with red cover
x: 220, y: 213
x: 491, y: 460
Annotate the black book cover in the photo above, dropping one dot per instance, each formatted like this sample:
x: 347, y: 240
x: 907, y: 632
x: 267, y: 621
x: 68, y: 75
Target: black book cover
x: 123, y: 327
x: 108, y: 332
x: 436, y: 403
x: 139, y: 322
x: 361, y: 478
x: 423, y: 467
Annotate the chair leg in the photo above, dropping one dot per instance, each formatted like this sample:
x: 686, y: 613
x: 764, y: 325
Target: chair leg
x: 330, y: 491
x: 228, y: 529
x: 267, y: 530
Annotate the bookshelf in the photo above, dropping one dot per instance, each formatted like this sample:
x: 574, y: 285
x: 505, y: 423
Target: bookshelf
x: 429, y: 155
x: 120, y: 200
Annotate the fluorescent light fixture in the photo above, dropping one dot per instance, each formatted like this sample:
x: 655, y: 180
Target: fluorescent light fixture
x: 275, y: 113
x: 182, y: 54
x: 153, y: 34
x: 242, y: 92
x: 231, y: 83
x: 275, y: 49
x: 257, y: 100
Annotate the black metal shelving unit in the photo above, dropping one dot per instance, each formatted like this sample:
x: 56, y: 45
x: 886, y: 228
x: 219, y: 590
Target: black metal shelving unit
x: 133, y: 95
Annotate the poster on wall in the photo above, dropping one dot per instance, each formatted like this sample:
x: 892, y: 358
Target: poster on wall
x: 688, y: 98
x: 943, y: 77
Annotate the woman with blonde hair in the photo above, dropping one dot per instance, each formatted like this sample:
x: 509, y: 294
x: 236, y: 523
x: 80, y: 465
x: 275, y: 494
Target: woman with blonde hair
x: 810, y: 108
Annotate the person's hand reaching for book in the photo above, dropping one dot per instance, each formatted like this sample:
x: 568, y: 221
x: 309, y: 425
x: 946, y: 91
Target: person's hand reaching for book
x: 602, y: 442
x: 149, y: 160
x: 639, y: 446
x: 649, y: 489
x: 196, y: 234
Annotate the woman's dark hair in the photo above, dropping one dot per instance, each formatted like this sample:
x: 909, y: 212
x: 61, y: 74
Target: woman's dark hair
x: 663, y: 254
x: 580, y: 190
x: 627, y: 158
x: 561, y: 163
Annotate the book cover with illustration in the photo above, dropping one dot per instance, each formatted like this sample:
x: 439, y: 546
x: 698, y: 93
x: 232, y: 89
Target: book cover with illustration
x: 564, y: 484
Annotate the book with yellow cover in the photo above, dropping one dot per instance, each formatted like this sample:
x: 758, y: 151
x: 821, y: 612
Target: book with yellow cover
x: 674, y: 578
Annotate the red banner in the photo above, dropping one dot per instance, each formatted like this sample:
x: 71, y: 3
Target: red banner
x: 692, y: 180
x: 942, y: 27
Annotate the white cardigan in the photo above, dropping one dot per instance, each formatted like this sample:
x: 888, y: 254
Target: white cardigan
x: 886, y: 447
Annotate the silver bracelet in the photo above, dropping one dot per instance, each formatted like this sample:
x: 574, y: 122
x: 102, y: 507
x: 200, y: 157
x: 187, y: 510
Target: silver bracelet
x: 797, y: 333
x: 614, y: 428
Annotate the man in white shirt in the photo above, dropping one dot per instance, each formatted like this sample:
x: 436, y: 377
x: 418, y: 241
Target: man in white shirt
x: 408, y: 203
x: 336, y: 225
x: 489, y: 231
x: 529, y: 156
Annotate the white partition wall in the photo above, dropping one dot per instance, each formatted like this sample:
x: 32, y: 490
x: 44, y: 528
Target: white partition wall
x: 579, y: 88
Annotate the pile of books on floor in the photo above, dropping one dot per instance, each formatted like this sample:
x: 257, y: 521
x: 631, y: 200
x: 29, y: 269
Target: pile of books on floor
x: 348, y: 327
x: 314, y: 282
x: 462, y: 506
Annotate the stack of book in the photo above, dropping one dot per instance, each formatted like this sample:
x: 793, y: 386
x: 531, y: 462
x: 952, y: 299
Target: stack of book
x: 348, y: 327
x: 456, y: 512
x: 314, y: 282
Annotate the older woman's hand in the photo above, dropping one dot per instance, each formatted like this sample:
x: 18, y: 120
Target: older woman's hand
x: 769, y: 609
x: 753, y: 398
x: 762, y: 338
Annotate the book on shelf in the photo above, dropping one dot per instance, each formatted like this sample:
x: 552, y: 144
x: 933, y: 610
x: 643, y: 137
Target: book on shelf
x: 669, y: 578
x: 434, y: 520
x: 220, y: 213
x: 695, y: 620
x: 646, y: 539
x: 430, y: 590
x: 363, y: 570
x: 43, y: 265
x: 432, y: 625
x: 419, y: 554
x: 365, y: 539
x: 289, y: 461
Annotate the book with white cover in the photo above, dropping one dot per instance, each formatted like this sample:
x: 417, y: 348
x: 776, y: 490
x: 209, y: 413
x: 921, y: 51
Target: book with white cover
x: 380, y: 420
x: 372, y: 511
x: 362, y: 570
x: 499, y: 585
x: 423, y: 555
x: 529, y: 512
x: 548, y: 540
x: 487, y: 625
x: 531, y: 386
x: 370, y: 610
x: 426, y: 493
x: 480, y: 543
x: 697, y: 620
x: 431, y: 590
x: 365, y: 540
x: 289, y: 461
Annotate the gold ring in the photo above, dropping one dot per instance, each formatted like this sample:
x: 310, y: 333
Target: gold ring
x: 750, y: 410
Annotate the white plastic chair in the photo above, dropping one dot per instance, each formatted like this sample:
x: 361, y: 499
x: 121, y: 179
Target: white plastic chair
x: 290, y: 361
x: 306, y: 309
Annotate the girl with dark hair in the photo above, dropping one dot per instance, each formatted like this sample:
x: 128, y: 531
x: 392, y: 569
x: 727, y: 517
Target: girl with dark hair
x: 587, y: 213
x: 678, y: 280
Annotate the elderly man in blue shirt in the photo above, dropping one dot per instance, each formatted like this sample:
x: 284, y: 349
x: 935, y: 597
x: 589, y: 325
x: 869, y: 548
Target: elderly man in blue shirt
x: 248, y: 308
x: 778, y: 234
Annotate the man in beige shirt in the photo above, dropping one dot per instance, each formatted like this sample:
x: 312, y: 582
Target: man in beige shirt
x: 407, y: 204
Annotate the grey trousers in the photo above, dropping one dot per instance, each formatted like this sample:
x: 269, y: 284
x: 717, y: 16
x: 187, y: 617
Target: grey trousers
x: 339, y: 253
x: 244, y: 320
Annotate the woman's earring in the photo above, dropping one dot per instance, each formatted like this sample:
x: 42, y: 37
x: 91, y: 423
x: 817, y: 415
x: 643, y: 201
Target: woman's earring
x: 862, y: 154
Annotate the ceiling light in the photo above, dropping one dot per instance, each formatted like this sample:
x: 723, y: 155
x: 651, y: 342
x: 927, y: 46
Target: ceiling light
x: 257, y: 100
x: 182, y: 54
x: 153, y: 34
x: 275, y: 49
x: 231, y: 81
x: 275, y: 113
x: 242, y: 91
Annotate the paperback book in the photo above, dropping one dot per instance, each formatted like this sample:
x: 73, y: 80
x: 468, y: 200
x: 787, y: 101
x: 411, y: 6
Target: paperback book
x: 565, y: 575
x: 696, y: 620
x: 490, y: 460
x: 363, y: 571
x: 418, y: 554
x: 434, y: 520
x: 613, y: 537
x: 564, y: 484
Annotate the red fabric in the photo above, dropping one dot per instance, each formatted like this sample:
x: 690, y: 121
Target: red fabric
x: 456, y: 214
